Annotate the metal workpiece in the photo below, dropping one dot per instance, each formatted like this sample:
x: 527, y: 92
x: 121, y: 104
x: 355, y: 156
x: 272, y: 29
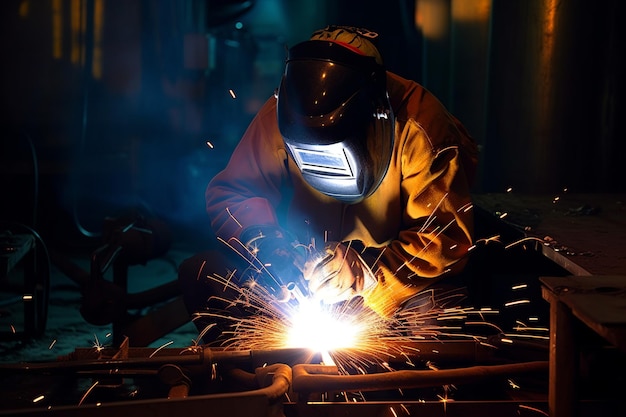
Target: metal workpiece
x: 273, y: 382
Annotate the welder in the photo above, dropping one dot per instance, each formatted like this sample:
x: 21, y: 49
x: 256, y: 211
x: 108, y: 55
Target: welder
x: 350, y: 181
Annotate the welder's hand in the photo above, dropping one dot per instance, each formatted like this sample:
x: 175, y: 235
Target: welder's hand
x: 338, y: 274
x: 275, y: 254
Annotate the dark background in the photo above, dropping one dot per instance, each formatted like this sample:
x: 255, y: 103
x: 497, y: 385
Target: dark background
x: 108, y: 105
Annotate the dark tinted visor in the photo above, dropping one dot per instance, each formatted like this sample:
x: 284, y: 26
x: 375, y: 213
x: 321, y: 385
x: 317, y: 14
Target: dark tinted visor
x: 326, y: 90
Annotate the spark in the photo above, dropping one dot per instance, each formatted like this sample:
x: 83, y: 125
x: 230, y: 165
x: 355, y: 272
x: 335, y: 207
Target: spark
x: 513, y: 384
x: 232, y: 93
x: 467, y: 207
x: 88, y: 392
x: 528, y: 329
x: 527, y: 336
x: 209, y: 144
x: 233, y: 217
x: 349, y: 335
x: 96, y: 344
x: 533, y: 409
x: 488, y: 240
x: 52, y: 344
x: 526, y: 239
x: 517, y: 302
x: 161, y: 347
x: 36, y: 400
x: 200, y: 270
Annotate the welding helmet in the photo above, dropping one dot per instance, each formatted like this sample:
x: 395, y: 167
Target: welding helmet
x: 334, y: 114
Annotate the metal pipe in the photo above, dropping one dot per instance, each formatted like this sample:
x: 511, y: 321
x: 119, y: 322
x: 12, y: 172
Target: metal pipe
x: 202, y: 356
x: 262, y: 401
x: 309, y: 378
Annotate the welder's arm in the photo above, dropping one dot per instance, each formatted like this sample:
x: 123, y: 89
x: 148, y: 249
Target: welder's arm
x: 438, y: 233
x: 241, y: 202
x: 278, y: 259
x: 248, y: 190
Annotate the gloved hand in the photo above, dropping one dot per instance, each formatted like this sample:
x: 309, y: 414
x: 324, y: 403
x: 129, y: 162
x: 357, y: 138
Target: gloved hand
x: 338, y: 274
x: 275, y: 254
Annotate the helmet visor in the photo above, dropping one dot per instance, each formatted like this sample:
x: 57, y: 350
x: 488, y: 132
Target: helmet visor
x: 334, y: 116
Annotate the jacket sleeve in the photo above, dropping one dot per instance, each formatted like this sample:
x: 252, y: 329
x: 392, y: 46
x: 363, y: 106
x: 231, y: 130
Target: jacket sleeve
x: 248, y: 190
x: 437, y: 215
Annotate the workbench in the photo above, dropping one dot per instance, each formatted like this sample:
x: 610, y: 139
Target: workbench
x: 583, y: 233
x: 586, y: 235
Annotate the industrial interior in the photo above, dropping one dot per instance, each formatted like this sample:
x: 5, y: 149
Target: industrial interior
x: 115, y: 116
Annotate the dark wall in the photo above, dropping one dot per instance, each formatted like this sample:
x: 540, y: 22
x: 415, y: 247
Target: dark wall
x: 556, y: 91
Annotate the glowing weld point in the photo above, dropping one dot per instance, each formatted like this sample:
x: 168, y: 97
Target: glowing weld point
x: 313, y: 326
x: 327, y: 359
